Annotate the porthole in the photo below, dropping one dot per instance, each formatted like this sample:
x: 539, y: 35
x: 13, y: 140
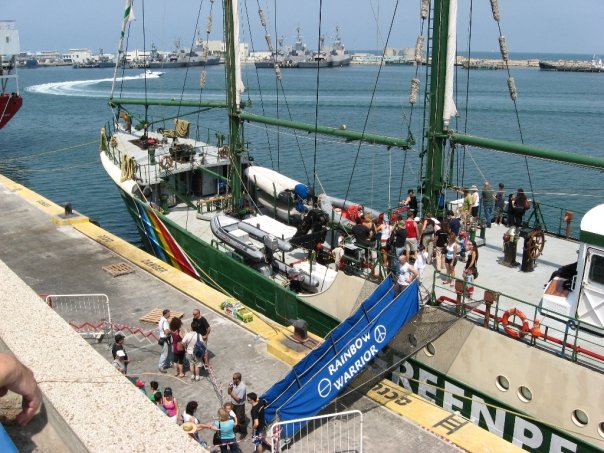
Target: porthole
x: 580, y: 418
x: 524, y: 394
x: 430, y: 350
x: 601, y: 429
x: 502, y: 383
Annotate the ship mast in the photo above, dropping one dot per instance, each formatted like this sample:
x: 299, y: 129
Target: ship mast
x: 231, y: 25
x: 437, y: 131
x: 436, y: 136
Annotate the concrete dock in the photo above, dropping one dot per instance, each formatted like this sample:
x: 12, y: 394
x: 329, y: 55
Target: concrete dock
x: 88, y: 405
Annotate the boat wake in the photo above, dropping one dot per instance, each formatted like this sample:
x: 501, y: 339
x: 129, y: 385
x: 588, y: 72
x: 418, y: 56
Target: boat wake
x: 80, y: 87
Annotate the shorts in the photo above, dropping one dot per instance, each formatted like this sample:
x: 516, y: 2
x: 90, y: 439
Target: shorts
x: 452, y: 261
x: 474, y: 211
x: 194, y: 360
x: 258, y: 437
x: 179, y: 357
x: 411, y: 245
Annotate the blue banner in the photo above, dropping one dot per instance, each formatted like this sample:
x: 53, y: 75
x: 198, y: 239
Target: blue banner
x: 318, y: 378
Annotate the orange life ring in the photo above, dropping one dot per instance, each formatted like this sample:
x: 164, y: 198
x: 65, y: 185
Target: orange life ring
x: 513, y: 332
x: 166, y: 162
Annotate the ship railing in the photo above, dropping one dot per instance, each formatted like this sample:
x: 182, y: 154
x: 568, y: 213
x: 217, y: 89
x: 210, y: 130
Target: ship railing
x: 564, y: 336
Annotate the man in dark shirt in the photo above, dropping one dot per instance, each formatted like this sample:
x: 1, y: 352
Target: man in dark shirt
x: 258, y: 422
x: 200, y: 325
x: 454, y: 223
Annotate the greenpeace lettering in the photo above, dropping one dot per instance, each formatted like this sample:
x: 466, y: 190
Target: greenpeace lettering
x: 327, y: 370
x: 523, y: 433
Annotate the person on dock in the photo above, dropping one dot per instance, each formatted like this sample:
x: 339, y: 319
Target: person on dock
x: 499, y: 204
x: 488, y: 202
x: 258, y: 421
x: 226, y: 427
x: 189, y: 341
x: 201, y: 325
x: 18, y: 378
x: 170, y: 404
x: 118, y: 361
x: 178, y: 347
x: 238, y: 393
x: 118, y: 345
x: 165, y: 341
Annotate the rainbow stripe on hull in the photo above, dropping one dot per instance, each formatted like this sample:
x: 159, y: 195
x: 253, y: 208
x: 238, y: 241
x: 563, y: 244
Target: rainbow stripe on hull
x: 164, y: 245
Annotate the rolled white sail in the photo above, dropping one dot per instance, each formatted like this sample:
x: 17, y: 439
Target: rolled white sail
x: 239, y: 87
x: 449, y: 109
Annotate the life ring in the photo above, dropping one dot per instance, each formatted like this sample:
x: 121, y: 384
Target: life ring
x: 514, y: 332
x: 166, y: 162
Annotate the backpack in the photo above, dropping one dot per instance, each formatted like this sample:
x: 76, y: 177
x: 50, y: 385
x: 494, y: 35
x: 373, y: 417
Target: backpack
x: 199, y: 349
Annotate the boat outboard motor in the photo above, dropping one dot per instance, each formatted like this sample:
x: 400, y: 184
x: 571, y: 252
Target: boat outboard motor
x: 312, y: 230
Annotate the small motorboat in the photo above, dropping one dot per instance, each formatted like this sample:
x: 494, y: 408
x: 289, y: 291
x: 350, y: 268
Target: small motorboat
x: 148, y: 74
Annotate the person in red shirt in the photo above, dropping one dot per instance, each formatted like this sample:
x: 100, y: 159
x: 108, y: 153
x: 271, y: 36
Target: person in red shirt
x: 412, y: 236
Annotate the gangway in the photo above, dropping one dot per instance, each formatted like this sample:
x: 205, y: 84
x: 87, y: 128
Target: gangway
x: 324, y: 373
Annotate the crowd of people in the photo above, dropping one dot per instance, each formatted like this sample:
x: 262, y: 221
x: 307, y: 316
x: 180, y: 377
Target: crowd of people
x: 405, y: 243
x: 187, y: 351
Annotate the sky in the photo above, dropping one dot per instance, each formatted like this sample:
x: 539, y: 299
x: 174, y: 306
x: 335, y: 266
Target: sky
x: 554, y: 26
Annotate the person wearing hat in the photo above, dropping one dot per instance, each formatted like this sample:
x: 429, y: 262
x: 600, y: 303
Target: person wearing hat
x: 118, y: 362
x: 475, y: 201
x: 118, y: 345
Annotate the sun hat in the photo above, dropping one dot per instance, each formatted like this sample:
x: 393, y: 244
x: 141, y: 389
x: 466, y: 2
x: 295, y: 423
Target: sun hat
x: 473, y: 187
x: 189, y: 427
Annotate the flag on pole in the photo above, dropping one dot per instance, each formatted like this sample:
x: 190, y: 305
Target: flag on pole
x: 129, y: 12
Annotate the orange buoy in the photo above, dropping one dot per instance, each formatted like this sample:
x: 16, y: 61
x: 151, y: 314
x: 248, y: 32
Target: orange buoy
x: 514, y: 332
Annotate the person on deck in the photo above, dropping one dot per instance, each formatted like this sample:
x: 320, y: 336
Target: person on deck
x: 411, y: 202
x: 412, y: 236
x: 454, y: 223
x: 406, y: 275
x: 499, y: 204
x: 488, y: 202
x: 521, y: 205
x: 475, y: 201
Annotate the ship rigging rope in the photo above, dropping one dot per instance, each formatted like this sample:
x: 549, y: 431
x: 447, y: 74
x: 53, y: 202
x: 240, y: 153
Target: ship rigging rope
x: 46, y: 153
x: 279, y: 91
x: 371, y: 101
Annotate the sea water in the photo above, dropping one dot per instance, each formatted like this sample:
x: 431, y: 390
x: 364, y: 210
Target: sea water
x: 51, y: 145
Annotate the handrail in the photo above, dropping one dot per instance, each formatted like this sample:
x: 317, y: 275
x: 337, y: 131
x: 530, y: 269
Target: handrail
x: 545, y: 337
